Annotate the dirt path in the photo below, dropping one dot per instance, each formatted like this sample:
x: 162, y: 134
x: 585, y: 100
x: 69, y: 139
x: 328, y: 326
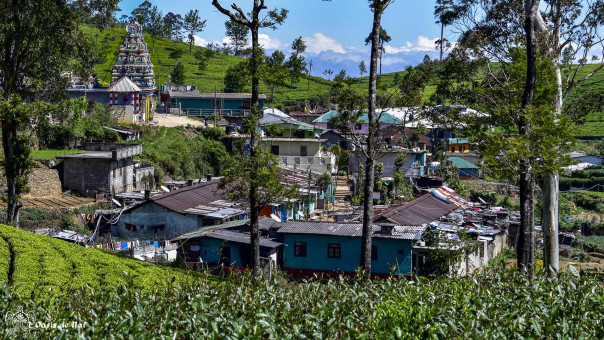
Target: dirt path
x: 172, y: 120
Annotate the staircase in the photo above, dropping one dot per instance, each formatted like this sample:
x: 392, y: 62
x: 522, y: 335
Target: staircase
x: 342, y: 188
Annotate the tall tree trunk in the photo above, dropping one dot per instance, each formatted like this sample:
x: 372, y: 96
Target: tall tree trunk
x: 551, y: 183
x: 9, y: 135
x: 378, y: 9
x: 254, y: 209
x: 442, y: 34
x: 526, y: 239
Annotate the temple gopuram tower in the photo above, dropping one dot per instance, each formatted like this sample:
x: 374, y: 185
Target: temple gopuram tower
x: 133, y: 79
x: 133, y: 60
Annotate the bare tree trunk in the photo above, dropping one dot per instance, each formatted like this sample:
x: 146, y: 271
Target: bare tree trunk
x: 526, y: 239
x: 378, y: 8
x: 442, y: 34
x: 551, y: 183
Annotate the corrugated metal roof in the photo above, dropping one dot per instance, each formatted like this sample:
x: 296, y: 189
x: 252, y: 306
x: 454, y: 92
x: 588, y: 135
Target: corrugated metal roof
x: 199, y: 199
x: 238, y: 237
x: 124, y: 84
x: 201, y: 232
x: 421, y: 210
x: 348, y: 230
x: 461, y: 163
x: 197, y: 95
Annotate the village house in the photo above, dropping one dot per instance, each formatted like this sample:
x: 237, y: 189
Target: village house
x: 188, y: 100
x: 297, y: 144
x: 361, y: 127
x: 413, y: 166
x: 104, y: 168
x: 169, y: 215
x: 226, y: 245
x: 335, y: 248
x: 466, y: 169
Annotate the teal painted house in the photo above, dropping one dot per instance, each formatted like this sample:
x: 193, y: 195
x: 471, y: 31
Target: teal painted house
x: 223, y: 247
x: 333, y: 248
x: 190, y: 101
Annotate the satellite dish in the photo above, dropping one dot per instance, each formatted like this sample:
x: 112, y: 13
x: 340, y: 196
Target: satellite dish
x: 116, y: 202
x: 164, y: 188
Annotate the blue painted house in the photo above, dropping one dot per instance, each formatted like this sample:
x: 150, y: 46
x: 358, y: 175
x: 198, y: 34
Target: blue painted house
x: 465, y: 168
x: 187, y: 99
x: 335, y: 248
x: 223, y: 246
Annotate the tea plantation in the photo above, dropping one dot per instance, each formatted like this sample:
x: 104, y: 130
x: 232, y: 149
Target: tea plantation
x: 58, y: 284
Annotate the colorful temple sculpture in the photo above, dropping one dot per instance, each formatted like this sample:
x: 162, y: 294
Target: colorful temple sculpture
x: 132, y: 79
x: 133, y: 60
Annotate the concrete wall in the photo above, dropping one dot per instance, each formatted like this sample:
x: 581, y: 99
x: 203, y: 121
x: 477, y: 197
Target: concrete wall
x: 292, y: 147
x: 86, y: 176
x: 388, y: 159
x: 151, y: 215
x: 120, y: 151
x: 121, y: 176
x: 144, y: 178
x: 350, y: 248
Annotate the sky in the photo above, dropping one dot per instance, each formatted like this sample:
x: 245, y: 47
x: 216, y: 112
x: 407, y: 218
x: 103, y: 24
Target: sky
x: 334, y: 31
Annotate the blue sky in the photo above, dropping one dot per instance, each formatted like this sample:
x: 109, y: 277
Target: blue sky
x: 333, y: 31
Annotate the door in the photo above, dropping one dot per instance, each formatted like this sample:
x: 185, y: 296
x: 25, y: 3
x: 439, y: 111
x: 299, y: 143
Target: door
x: 275, y: 150
x: 225, y: 256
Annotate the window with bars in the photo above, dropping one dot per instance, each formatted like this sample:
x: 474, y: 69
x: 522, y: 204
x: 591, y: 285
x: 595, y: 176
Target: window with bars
x: 300, y: 249
x: 333, y: 250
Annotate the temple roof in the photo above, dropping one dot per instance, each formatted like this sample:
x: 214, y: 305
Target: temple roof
x: 124, y: 84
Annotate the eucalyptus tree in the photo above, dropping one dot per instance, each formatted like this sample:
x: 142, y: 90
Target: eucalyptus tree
x: 383, y: 38
x: 256, y: 180
x: 362, y: 68
x: 296, y: 62
x: 155, y: 25
x: 193, y: 24
x: 519, y: 134
x: 274, y: 71
x: 238, y: 34
x: 445, y: 13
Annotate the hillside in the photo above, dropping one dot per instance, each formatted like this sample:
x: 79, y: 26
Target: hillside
x: 316, y: 90
x: 29, y: 261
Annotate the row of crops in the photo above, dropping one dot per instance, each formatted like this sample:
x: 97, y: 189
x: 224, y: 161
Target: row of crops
x: 49, y: 265
x: 145, y: 303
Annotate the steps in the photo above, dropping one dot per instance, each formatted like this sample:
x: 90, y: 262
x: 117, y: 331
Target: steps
x: 342, y: 188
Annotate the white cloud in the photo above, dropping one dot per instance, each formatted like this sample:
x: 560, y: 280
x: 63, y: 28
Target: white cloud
x: 387, y: 61
x: 198, y: 41
x: 319, y: 43
x: 421, y: 44
x: 268, y: 42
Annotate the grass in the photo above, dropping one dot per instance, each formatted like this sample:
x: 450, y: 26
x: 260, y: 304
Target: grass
x: 49, y: 154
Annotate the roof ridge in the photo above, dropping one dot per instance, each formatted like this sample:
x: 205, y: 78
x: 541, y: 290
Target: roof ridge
x: 181, y: 190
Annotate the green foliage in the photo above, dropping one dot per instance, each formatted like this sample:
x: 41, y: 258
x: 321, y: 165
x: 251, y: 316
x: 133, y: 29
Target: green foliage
x: 44, y: 266
x: 590, y: 243
x: 177, y: 76
x: 487, y: 196
x: 236, y: 78
x: 493, y: 306
x: 180, y: 156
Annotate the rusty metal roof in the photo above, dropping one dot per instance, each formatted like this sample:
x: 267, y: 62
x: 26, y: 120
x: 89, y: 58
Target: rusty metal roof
x: 199, y: 199
x: 421, y: 210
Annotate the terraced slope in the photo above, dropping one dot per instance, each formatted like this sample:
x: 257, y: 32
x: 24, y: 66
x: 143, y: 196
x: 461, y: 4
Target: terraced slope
x: 29, y: 261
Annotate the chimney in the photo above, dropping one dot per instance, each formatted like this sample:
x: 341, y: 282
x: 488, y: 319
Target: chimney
x: 189, y: 182
x: 386, y: 229
x: 208, y: 178
x: 147, y: 195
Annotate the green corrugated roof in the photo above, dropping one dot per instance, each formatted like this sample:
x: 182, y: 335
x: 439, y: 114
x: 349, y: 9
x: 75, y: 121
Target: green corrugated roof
x: 461, y: 163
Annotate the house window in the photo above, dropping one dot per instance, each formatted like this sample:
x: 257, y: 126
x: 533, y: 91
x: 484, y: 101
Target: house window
x: 215, y: 102
x: 374, y: 253
x: 246, y: 104
x: 300, y: 249
x: 333, y: 250
x: 275, y: 150
x: 329, y: 126
x: 299, y: 134
x: 303, y: 150
x: 284, y: 160
x: 358, y: 126
x: 297, y: 160
x: 401, y: 251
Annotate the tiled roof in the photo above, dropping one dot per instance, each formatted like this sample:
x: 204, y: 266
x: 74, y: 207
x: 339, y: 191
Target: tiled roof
x: 347, y: 230
x: 422, y: 210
